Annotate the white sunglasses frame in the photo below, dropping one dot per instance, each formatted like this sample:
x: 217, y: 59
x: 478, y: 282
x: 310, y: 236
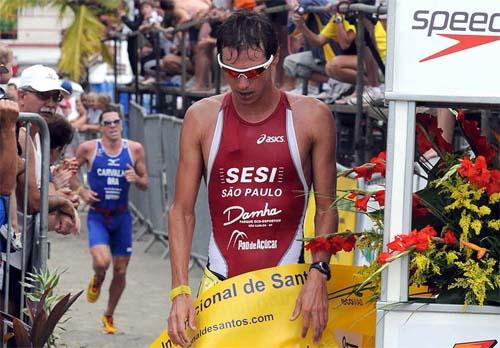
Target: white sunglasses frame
x: 265, y: 65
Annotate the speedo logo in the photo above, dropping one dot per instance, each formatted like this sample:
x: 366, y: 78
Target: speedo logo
x: 264, y: 138
x: 457, y: 23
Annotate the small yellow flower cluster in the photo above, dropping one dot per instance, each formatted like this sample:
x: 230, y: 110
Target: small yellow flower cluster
x: 476, y: 277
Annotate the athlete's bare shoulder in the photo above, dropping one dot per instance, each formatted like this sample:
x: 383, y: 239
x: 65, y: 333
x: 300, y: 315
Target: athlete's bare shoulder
x: 85, y: 151
x: 88, y: 145
x: 206, y: 109
x: 305, y: 106
x: 309, y: 113
x: 201, y: 117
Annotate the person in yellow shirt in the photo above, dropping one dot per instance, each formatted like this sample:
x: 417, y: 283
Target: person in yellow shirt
x: 342, y: 66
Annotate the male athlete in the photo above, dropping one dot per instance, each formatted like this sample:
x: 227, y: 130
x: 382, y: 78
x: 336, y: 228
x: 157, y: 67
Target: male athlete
x: 259, y: 150
x: 113, y: 163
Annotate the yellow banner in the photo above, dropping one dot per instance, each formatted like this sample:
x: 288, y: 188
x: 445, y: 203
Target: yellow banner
x: 254, y: 309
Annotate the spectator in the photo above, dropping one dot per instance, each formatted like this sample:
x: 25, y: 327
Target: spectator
x: 91, y: 128
x: 68, y: 104
x: 204, y: 49
x: 39, y: 92
x: 12, y: 91
x: 132, y: 21
x: 343, y: 66
x: 310, y: 64
x: 7, y: 60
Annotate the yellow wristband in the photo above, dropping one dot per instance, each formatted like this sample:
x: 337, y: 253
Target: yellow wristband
x: 79, y: 189
x: 180, y: 290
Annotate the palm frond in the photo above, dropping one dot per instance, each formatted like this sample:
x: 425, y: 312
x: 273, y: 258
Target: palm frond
x: 81, y: 39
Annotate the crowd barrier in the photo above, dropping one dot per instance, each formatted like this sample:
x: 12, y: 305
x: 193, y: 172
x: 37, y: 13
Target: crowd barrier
x: 159, y: 135
x: 32, y: 252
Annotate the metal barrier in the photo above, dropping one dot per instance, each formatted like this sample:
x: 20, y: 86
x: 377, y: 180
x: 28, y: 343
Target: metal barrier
x: 34, y: 235
x: 162, y: 154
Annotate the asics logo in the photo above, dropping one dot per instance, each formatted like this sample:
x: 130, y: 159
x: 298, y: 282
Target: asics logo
x: 264, y: 138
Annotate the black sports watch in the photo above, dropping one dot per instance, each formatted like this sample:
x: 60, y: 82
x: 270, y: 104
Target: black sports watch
x: 323, y: 268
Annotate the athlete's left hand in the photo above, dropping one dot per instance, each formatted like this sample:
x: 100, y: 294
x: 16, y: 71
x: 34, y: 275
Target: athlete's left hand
x: 313, y: 303
x: 130, y: 174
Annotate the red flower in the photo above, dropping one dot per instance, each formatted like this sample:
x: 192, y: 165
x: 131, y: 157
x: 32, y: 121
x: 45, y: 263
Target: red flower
x: 317, y: 244
x: 348, y: 243
x: 379, y: 196
x: 375, y: 165
x: 382, y: 258
x: 336, y: 243
x: 449, y: 237
x: 478, y: 143
x: 494, y: 184
x: 379, y: 162
x: 416, y: 211
x: 478, y: 174
x: 466, y: 169
x: 362, y: 204
x: 424, y: 237
x: 352, y: 195
x: 365, y: 171
x: 428, y: 134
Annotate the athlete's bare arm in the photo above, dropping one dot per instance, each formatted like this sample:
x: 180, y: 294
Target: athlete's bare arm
x: 138, y: 174
x: 83, y: 156
x: 319, y: 136
x: 181, y: 215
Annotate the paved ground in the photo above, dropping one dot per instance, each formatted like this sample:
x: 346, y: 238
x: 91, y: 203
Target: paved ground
x: 142, y: 312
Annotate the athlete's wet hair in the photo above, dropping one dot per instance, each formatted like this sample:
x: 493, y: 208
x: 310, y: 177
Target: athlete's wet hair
x: 245, y: 30
x: 108, y: 110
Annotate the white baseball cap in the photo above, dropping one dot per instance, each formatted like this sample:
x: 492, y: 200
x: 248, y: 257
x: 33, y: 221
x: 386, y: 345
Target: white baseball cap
x: 41, y: 78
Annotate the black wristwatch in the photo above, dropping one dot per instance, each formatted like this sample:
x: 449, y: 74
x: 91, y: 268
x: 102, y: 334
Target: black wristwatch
x: 323, y: 268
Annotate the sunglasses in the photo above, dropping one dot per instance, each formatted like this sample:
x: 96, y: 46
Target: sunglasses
x: 109, y: 123
x: 56, y: 96
x: 248, y: 73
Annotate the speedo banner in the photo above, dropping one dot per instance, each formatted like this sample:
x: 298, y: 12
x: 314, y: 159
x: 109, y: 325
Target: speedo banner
x: 254, y: 309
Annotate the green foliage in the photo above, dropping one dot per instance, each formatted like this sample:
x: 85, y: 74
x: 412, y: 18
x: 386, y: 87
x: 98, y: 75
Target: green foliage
x: 45, y: 308
x: 82, y: 39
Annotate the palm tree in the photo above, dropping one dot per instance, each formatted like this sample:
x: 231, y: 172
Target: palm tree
x: 82, y: 39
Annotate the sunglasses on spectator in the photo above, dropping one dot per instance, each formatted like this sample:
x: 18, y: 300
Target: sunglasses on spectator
x: 248, y: 73
x: 56, y: 96
x: 109, y: 123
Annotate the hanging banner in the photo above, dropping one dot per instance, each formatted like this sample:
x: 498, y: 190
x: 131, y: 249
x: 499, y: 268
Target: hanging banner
x: 254, y: 309
x: 443, y: 51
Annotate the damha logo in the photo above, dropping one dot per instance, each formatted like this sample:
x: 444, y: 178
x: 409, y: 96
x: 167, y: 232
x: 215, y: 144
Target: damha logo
x: 264, y: 138
x: 458, y: 22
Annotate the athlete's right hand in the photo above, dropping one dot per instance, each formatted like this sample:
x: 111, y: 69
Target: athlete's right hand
x: 90, y: 197
x: 182, y: 311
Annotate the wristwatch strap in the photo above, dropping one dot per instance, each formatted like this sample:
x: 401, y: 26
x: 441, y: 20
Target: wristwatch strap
x: 323, y: 268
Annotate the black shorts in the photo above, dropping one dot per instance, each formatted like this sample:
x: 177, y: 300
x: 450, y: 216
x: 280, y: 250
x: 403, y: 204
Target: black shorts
x: 280, y: 18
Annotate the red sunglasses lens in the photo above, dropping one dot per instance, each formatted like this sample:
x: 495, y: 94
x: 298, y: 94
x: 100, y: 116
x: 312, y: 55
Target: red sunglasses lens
x: 248, y: 74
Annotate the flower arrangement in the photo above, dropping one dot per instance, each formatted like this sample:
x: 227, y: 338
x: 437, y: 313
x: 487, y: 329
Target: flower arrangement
x: 454, y: 245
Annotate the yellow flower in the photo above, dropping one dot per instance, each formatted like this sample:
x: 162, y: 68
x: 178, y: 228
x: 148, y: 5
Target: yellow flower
x: 484, y: 210
x: 494, y: 224
x: 476, y: 226
x: 451, y: 256
x: 465, y: 222
x: 495, y: 198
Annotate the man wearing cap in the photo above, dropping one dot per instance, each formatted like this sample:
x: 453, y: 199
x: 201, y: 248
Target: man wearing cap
x: 39, y: 91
